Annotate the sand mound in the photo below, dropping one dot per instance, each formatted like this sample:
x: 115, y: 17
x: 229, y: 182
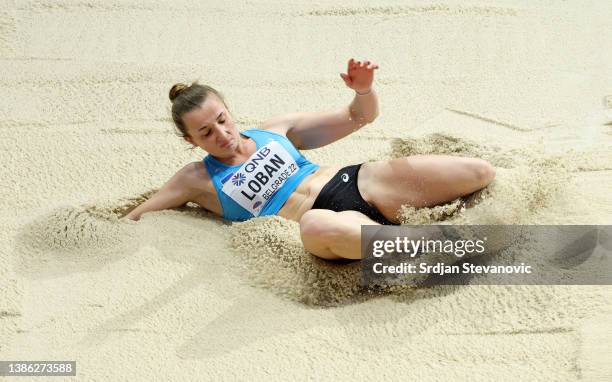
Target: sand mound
x: 73, y: 238
x: 70, y: 227
x: 272, y: 256
x: 526, y: 182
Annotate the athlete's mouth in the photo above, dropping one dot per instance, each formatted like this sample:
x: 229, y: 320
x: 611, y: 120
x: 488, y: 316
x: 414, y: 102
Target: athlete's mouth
x: 227, y: 144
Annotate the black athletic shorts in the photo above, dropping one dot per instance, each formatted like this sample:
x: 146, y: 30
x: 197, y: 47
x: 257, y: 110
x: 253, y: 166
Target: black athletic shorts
x: 341, y: 194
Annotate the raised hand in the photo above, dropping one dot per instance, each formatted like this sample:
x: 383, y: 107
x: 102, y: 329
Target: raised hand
x: 360, y: 75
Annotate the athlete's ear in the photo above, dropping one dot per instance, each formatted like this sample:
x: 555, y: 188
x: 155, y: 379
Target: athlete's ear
x: 188, y: 139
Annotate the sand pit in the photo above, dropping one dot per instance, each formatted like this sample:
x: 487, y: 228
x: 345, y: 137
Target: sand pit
x: 86, y: 134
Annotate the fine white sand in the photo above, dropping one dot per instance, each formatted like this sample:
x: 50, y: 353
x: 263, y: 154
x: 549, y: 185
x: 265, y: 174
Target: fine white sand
x: 182, y: 295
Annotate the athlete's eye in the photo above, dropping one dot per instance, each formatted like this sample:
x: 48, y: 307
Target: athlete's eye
x: 222, y: 121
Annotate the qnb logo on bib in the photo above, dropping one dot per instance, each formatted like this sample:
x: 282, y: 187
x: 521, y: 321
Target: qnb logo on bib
x: 266, y: 171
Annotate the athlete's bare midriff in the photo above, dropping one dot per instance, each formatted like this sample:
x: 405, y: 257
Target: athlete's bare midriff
x: 300, y: 201
x: 304, y: 196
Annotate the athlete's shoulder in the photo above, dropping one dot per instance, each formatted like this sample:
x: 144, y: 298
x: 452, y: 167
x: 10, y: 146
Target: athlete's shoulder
x: 273, y: 130
x: 279, y: 124
x: 195, y: 174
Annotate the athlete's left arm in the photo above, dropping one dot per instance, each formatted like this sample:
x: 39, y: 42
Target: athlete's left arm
x: 313, y: 130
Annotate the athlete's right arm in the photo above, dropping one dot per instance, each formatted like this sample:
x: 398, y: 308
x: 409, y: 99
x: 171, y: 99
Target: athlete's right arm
x: 176, y: 192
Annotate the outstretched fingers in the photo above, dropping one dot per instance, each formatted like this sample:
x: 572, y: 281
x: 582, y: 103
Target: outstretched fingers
x: 369, y: 65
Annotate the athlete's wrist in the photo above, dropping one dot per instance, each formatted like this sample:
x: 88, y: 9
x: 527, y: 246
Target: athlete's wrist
x: 362, y: 92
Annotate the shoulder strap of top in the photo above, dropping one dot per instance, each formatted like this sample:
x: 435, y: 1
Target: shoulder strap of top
x: 268, y: 132
x: 247, y: 132
x: 265, y: 131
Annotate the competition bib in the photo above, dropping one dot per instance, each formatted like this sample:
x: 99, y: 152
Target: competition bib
x: 266, y: 171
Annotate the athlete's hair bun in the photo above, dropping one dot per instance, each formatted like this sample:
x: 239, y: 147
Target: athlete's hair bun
x: 176, y: 90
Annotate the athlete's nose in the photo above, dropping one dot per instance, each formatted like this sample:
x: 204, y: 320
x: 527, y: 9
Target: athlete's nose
x: 224, y: 140
x: 221, y: 135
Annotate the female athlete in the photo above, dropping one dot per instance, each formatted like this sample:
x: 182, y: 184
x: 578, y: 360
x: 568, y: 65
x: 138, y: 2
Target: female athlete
x: 260, y: 172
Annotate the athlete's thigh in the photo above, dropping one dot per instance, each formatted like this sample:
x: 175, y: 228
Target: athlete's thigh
x: 419, y: 180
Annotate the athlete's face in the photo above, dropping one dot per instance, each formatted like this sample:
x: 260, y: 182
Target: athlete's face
x: 212, y: 128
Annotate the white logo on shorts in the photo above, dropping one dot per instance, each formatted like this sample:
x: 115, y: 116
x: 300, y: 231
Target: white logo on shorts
x: 345, y: 177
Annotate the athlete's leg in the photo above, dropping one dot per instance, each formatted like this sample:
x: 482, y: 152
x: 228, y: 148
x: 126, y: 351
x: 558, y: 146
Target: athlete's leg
x: 337, y: 235
x: 421, y: 181
x: 333, y: 235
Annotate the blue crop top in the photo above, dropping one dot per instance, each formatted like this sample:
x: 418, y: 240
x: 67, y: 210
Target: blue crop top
x: 261, y: 185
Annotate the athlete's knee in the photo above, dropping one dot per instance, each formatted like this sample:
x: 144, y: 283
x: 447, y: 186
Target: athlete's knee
x: 321, y: 224
x: 314, y: 223
x: 319, y: 233
x: 486, y: 172
x: 483, y: 171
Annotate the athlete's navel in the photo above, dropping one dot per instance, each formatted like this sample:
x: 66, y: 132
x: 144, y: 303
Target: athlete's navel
x: 304, y: 196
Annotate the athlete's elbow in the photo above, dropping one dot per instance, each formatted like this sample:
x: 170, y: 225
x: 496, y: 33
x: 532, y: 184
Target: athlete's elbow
x: 484, y: 171
x: 365, y: 121
x: 374, y: 117
x: 371, y: 118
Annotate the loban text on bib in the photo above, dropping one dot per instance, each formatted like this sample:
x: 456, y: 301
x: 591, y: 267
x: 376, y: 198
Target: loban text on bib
x: 266, y: 171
